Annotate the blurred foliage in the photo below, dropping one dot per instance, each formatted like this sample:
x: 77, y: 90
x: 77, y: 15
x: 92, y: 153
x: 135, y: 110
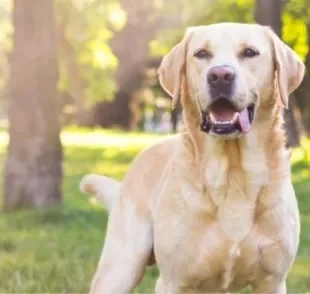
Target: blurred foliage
x: 87, y: 26
x: 90, y: 25
x: 296, y: 19
x: 202, y: 13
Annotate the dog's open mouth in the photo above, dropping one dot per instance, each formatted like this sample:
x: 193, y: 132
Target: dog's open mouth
x: 223, y: 118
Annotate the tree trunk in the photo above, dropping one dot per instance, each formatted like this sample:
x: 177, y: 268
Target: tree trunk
x: 269, y: 13
x: 303, y: 93
x: 174, y: 117
x: 131, y: 62
x: 33, y: 171
x: 116, y: 113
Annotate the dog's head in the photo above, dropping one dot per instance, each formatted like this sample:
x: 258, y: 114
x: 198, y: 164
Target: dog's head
x: 230, y: 69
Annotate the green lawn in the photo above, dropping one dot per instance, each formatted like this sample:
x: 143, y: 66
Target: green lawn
x: 56, y: 251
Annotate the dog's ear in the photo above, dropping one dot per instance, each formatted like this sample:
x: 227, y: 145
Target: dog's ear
x: 290, y: 69
x: 172, y: 69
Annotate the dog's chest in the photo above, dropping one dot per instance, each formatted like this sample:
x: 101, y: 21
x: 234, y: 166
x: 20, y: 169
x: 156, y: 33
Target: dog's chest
x: 197, y: 254
x: 233, y: 191
x: 202, y: 233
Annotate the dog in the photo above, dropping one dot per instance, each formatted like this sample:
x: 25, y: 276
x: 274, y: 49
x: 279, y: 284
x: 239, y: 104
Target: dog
x: 215, y: 203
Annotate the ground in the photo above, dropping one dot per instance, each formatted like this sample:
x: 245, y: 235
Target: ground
x: 56, y: 251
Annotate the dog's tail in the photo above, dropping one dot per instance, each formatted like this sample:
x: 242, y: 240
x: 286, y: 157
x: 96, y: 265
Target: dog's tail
x: 104, y: 188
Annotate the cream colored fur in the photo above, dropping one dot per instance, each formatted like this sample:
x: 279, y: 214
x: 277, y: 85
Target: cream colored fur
x: 219, y: 214
x: 105, y: 189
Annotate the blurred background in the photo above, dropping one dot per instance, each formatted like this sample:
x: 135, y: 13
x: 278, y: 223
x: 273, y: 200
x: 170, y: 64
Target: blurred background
x: 79, y: 93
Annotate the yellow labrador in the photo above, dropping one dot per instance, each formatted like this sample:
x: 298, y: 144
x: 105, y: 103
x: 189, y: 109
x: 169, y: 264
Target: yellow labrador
x: 215, y: 203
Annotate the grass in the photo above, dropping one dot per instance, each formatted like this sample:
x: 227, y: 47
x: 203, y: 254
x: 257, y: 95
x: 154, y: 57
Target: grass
x: 57, y: 250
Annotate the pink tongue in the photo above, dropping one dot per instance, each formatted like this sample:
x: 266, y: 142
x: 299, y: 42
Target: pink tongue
x: 244, y: 120
x: 224, y: 114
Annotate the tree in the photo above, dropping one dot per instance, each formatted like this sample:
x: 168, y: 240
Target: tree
x: 33, y: 170
x: 303, y: 93
x: 269, y: 13
x: 104, y: 48
x: 298, y: 14
x: 75, y: 87
x: 130, y: 45
x: 86, y: 61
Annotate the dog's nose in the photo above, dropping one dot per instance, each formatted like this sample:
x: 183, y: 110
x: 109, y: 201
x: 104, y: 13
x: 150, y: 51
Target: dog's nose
x: 223, y: 74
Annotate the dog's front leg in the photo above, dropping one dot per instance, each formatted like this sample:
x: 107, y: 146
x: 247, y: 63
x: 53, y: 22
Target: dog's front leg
x: 270, y: 285
x: 127, y: 248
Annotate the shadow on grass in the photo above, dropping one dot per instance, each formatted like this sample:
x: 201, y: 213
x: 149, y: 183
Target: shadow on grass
x: 52, y: 251
x: 57, y: 250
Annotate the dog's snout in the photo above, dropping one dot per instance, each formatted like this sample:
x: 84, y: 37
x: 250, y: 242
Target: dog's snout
x: 221, y: 81
x: 223, y: 74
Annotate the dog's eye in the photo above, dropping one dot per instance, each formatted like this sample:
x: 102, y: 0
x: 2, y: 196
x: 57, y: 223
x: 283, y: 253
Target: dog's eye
x: 202, y: 54
x: 249, y: 52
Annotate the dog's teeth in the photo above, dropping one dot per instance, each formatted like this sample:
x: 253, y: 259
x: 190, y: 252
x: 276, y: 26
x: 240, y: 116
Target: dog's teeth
x: 235, y: 116
x: 219, y: 122
x: 223, y: 122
